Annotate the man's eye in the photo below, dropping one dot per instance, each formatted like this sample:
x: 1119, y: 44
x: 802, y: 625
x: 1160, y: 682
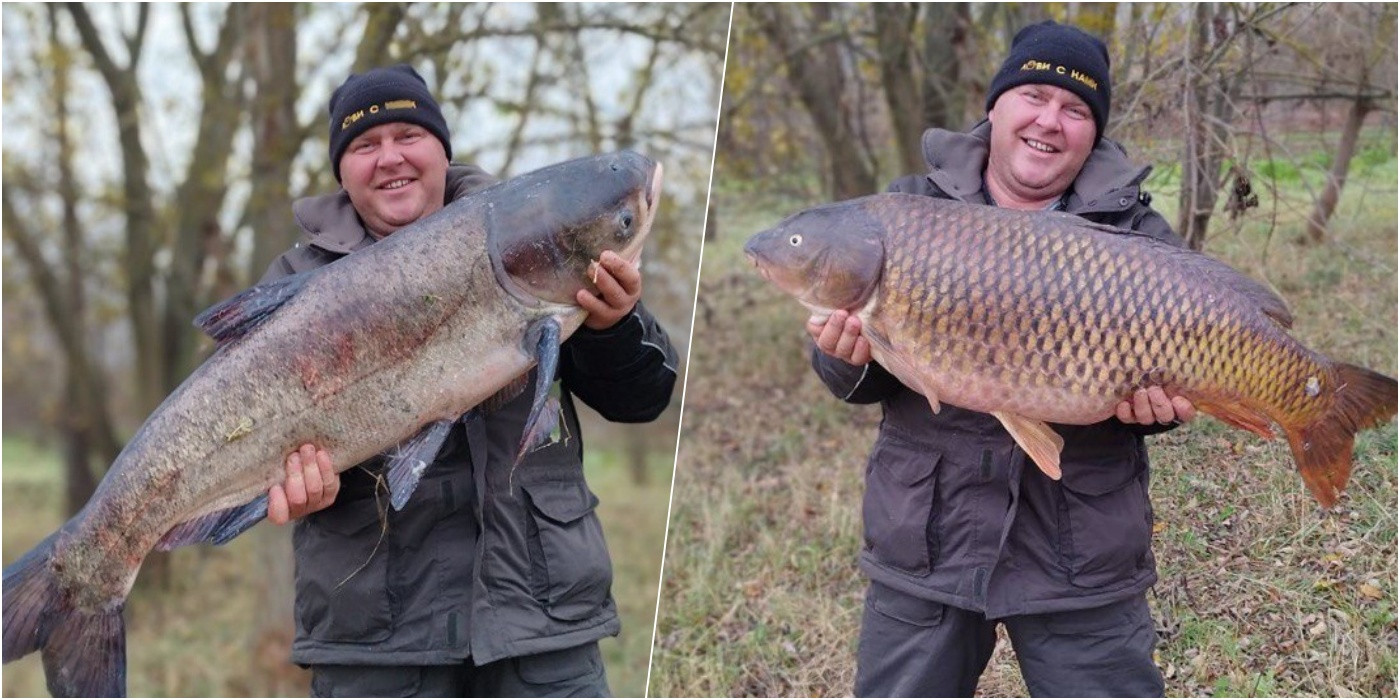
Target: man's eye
x: 1077, y: 114
x: 361, y: 146
x: 410, y: 136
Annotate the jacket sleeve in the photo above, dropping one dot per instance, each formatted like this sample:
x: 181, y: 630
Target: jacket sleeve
x: 626, y: 373
x: 866, y: 383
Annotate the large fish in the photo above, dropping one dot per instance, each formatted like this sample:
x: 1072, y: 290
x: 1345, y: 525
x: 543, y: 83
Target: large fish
x: 381, y: 350
x: 1044, y: 317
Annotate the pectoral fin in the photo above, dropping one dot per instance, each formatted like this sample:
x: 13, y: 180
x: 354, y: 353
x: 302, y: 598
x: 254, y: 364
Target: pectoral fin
x: 540, y: 423
x: 1042, y: 444
x: 410, y: 458
x: 892, y: 361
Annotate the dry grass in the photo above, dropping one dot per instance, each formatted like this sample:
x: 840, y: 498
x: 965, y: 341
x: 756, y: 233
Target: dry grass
x: 1261, y: 593
x: 199, y: 638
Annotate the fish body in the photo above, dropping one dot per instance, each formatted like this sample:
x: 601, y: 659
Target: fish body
x: 378, y: 351
x: 1044, y: 317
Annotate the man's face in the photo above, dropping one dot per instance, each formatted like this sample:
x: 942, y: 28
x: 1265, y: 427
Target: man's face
x: 1041, y: 136
x: 395, y: 175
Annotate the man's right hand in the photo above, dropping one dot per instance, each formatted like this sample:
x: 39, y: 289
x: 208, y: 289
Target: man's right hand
x: 311, y: 485
x: 839, y: 336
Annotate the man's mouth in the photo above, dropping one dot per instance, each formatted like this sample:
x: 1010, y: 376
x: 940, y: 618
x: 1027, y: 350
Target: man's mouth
x: 396, y: 184
x: 1040, y: 145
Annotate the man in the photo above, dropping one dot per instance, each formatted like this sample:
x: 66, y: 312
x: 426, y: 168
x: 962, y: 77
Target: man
x: 962, y: 531
x: 475, y: 588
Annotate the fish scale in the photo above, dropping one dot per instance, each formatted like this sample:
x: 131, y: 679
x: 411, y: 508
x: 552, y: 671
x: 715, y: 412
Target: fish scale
x: 1044, y: 317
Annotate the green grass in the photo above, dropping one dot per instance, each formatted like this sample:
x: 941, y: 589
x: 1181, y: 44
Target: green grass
x: 201, y: 637
x: 1261, y: 592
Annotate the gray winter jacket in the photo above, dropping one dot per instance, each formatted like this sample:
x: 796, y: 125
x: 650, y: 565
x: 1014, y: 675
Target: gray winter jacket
x: 480, y: 563
x: 954, y: 511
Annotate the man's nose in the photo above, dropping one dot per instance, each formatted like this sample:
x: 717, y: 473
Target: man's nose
x: 1048, y: 117
x: 390, y: 155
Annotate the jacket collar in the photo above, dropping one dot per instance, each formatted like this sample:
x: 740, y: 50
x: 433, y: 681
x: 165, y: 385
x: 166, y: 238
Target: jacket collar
x: 330, y: 222
x: 1108, y: 181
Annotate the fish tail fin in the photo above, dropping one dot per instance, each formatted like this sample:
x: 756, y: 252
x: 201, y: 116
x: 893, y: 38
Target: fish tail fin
x: 1363, y: 399
x: 84, y: 652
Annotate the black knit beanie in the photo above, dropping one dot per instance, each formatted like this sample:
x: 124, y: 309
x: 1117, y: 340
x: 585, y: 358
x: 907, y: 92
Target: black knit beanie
x: 1059, y: 55
x: 380, y: 96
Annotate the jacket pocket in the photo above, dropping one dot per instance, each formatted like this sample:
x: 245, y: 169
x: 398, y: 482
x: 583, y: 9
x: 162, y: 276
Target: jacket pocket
x: 898, y: 509
x: 341, y: 574
x: 1105, y: 520
x: 570, y: 571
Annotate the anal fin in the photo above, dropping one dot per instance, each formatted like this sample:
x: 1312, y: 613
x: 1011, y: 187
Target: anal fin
x: 410, y: 458
x: 1042, y: 444
x: 1238, y: 415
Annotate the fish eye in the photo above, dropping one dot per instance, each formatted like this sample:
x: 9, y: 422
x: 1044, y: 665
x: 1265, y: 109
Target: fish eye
x: 624, y: 221
x: 796, y: 239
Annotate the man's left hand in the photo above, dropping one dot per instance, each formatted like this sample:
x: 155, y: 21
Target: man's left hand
x: 619, y: 287
x: 1152, y: 406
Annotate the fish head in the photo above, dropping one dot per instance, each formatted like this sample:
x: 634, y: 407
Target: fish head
x: 829, y: 258
x: 548, y: 232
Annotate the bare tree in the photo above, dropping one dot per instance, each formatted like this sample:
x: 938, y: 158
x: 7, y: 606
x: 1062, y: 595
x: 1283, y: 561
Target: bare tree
x: 818, y: 71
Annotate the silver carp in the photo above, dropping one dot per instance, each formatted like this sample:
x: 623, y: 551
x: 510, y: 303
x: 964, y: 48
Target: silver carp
x: 407, y: 335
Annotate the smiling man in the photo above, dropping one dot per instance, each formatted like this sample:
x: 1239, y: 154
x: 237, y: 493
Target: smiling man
x: 454, y: 596
x: 962, y: 532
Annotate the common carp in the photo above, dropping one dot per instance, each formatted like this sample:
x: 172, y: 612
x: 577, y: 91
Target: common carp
x: 409, y: 334
x: 1044, y: 317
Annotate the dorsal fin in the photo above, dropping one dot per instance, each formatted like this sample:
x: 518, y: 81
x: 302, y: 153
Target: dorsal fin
x: 234, y: 317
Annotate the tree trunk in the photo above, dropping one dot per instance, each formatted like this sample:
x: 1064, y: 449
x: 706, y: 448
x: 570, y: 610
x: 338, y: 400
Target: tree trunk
x: 818, y: 76
x: 271, y: 48
x: 1341, y: 163
x: 137, y: 201
x: 945, y: 36
x: 1209, y: 110
x: 200, y: 196
x: 894, y: 29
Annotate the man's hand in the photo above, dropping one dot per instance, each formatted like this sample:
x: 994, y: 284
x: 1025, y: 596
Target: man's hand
x: 1151, y: 406
x: 839, y: 336
x: 619, y: 287
x: 311, y: 485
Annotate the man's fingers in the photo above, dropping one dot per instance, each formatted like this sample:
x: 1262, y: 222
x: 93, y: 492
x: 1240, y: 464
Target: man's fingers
x: 610, y: 289
x: 1161, y: 406
x: 846, y: 344
x: 591, y: 303
x: 295, y: 485
x: 1185, y: 410
x: 330, y: 481
x: 1125, y: 412
x: 627, y: 274
x: 311, y: 476
x: 861, y: 354
x: 831, y: 333
x: 1142, y: 407
x: 277, y: 510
